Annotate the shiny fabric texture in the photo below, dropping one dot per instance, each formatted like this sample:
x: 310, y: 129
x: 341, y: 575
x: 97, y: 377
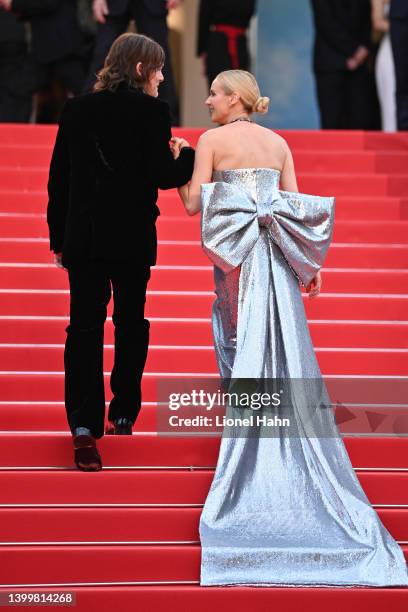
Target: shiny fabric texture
x: 234, y: 214
x: 281, y: 510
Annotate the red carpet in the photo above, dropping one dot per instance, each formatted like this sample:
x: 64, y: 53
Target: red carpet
x: 128, y: 537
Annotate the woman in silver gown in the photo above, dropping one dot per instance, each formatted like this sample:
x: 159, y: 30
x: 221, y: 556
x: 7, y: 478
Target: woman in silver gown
x: 282, y: 509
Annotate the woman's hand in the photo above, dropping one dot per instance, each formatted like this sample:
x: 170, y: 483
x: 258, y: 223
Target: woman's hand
x: 176, y: 144
x: 313, y: 288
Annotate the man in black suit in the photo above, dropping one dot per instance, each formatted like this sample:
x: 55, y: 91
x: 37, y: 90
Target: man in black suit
x: 399, y: 41
x: 110, y: 157
x: 341, y: 50
x: 222, y: 35
x: 16, y: 84
x: 56, y: 44
x: 150, y: 16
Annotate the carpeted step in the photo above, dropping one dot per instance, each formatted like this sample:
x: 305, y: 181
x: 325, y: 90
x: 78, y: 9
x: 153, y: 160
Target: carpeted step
x: 190, y: 359
x: 51, y: 451
x: 131, y: 524
x: 44, y: 135
x: 15, y: 225
x: 55, y: 302
x: 185, y: 598
x: 178, y: 253
x: 375, y: 334
x: 306, y: 160
x: 162, y: 487
x: 32, y: 180
x: 348, y: 207
x: 86, y: 563
x: 351, y: 418
x: 49, y: 386
x: 201, y: 278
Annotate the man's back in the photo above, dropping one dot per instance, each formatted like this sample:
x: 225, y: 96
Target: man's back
x: 111, y: 156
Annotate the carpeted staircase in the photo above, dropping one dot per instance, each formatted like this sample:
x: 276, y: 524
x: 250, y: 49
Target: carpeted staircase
x: 127, y: 537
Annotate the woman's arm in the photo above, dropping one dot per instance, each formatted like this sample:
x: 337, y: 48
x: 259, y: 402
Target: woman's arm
x: 289, y: 183
x: 288, y: 176
x: 190, y: 194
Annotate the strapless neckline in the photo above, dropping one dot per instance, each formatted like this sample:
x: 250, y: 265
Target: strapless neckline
x: 246, y: 170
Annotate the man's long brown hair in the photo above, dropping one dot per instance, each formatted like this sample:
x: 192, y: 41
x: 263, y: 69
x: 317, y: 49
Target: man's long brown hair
x: 120, y: 63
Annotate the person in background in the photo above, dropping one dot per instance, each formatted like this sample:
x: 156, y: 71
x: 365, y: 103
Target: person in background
x: 341, y: 52
x: 89, y: 28
x: 150, y: 16
x: 384, y: 66
x: 56, y: 43
x: 222, y: 35
x: 16, y: 85
x: 399, y: 42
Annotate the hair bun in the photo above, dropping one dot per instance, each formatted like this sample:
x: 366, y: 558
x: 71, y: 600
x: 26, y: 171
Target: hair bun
x: 261, y: 105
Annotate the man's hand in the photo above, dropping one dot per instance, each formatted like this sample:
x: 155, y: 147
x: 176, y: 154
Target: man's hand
x: 314, y: 286
x: 358, y: 58
x: 100, y: 10
x: 176, y: 144
x: 6, y: 4
x: 173, y: 4
x: 58, y: 260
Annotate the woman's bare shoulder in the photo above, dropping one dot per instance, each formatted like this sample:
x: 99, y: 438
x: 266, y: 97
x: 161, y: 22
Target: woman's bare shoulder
x: 208, y: 136
x: 277, y: 138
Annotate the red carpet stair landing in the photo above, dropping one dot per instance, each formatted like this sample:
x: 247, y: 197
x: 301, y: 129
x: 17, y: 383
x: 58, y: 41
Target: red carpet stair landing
x: 128, y: 537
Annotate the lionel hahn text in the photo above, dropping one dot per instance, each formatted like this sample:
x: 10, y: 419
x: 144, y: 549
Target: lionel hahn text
x: 222, y: 421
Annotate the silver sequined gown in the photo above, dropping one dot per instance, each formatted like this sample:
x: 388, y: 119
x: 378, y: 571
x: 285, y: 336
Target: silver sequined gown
x: 280, y: 510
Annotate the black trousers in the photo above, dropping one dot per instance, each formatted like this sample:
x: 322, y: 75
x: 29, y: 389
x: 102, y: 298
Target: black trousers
x: 69, y: 70
x: 345, y: 99
x: 151, y: 25
x: 399, y: 41
x: 218, y: 57
x: 91, y: 284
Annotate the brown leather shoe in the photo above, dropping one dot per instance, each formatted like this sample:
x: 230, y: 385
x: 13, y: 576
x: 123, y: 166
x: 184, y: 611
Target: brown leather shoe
x: 86, y: 455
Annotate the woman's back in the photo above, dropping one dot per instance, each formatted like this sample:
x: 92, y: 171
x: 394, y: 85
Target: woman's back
x: 247, y: 145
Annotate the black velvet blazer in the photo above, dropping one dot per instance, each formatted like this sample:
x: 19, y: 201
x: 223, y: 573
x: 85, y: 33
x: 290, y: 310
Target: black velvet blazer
x: 111, y: 156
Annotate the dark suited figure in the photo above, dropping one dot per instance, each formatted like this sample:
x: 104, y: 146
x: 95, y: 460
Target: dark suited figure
x: 113, y: 18
x: 222, y: 35
x: 399, y: 41
x: 16, y: 85
x: 110, y: 157
x: 56, y: 44
x: 341, y: 50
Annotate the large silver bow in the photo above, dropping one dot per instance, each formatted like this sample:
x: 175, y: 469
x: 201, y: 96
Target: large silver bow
x: 301, y: 225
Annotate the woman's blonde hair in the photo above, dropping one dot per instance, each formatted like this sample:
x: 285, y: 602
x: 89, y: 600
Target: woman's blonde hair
x: 244, y: 83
